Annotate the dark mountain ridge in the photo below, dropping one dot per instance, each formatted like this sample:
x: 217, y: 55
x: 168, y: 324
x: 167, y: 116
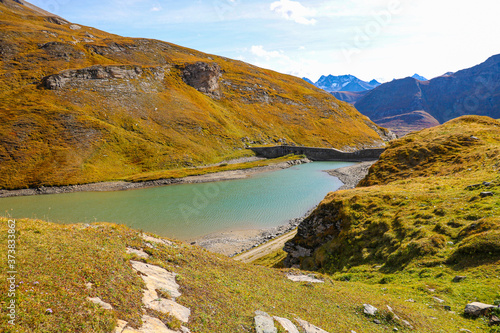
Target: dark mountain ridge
x: 472, y: 91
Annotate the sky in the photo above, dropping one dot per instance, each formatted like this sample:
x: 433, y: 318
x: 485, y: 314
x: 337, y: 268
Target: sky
x: 371, y: 39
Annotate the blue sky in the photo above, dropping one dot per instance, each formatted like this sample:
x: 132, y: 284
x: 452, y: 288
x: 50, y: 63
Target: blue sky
x: 382, y: 39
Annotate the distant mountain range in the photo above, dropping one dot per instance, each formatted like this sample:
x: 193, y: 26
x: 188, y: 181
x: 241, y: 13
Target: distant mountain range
x: 412, y: 104
x: 350, y: 83
x: 348, y: 88
x: 419, y: 77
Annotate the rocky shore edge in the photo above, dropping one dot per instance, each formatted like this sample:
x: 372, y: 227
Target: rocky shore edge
x: 351, y: 175
x: 232, y: 243
x: 123, y: 185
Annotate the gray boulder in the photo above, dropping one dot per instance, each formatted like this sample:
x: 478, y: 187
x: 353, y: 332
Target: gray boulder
x: 264, y: 323
x: 369, y: 310
x: 476, y: 309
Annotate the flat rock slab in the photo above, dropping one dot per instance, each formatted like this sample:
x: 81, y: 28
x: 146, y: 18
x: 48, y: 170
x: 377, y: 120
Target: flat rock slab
x: 120, y: 326
x: 287, y: 325
x: 156, y: 240
x: 149, y: 325
x: 304, y: 278
x: 98, y: 301
x: 264, y: 323
x: 139, y: 253
x: 157, y: 278
x: 309, y: 328
x: 169, y: 307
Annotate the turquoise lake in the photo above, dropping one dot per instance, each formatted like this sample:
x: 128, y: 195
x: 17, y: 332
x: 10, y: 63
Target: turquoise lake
x: 187, y: 211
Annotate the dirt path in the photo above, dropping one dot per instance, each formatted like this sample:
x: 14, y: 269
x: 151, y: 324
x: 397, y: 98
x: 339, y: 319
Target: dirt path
x: 265, y: 249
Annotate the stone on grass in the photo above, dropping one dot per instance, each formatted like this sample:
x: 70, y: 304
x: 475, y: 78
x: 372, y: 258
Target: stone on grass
x: 264, y: 323
x: 486, y: 194
x: 437, y: 299
x: 309, y: 328
x: 287, y: 325
x: 156, y: 240
x: 494, y: 320
x: 120, y: 326
x: 169, y: 307
x: 149, y: 325
x: 392, y: 311
x: 459, y: 278
x: 304, y: 278
x: 407, y: 323
x: 476, y: 309
x: 139, y: 253
x: 157, y: 278
x: 369, y: 309
x: 98, y: 301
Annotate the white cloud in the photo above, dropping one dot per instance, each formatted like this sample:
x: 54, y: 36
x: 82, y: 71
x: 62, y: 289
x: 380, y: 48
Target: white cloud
x: 259, y: 51
x: 294, y: 11
x: 156, y: 9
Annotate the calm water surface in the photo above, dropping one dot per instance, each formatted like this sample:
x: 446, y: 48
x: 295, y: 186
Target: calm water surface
x: 191, y: 210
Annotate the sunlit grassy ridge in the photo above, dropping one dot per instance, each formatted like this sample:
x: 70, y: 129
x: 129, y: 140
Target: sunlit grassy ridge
x: 55, y: 264
x: 109, y: 129
x: 428, y: 210
x: 431, y: 199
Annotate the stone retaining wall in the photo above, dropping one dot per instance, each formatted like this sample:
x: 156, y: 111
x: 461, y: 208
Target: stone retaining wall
x: 319, y: 154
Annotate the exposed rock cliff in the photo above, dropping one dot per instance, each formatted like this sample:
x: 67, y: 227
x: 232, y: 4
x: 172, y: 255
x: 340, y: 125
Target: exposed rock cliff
x: 108, y: 78
x: 204, y: 77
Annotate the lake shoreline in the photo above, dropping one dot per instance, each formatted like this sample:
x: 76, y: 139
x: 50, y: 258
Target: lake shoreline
x: 124, y: 186
x: 232, y: 243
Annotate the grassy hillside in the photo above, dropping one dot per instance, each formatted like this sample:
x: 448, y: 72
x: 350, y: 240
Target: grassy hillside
x: 81, y: 105
x: 427, y: 211
x: 56, y: 263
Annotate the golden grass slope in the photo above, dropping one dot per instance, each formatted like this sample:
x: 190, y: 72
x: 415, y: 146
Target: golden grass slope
x: 431, y: 200
x: 56, y: 263
x: 112, y: 128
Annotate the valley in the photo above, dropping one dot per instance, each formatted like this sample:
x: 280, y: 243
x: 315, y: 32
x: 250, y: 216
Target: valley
x: 146, y: 187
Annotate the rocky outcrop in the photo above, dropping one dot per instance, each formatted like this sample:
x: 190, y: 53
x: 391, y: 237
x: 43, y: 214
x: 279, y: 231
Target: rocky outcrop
x: 156, y: 279
x: 204, y: 77
x: 476, y: 309
x: 62, y: 51
x: 320, y: 227
x: 264, y: 323
x: 56, y: 20
x: 116, y: 78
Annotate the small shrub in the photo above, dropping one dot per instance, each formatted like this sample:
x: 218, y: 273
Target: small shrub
x: 386, y: 280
